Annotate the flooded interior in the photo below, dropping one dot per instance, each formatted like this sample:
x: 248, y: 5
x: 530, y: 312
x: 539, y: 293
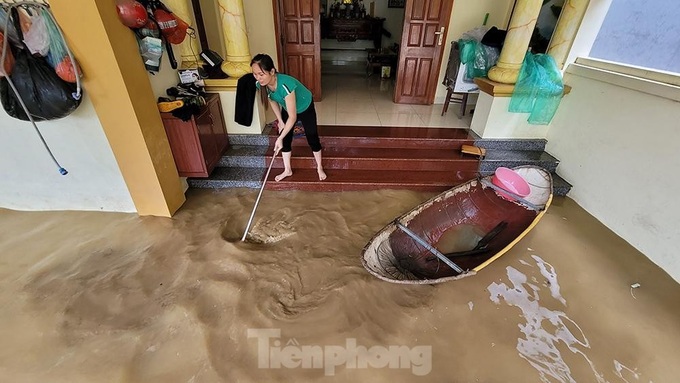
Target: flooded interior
x: 109, y: 297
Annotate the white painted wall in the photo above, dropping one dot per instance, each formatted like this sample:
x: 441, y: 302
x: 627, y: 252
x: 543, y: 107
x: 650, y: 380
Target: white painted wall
x: 228, y: 101
x: 492, y: 120
x: 30, y: 180
x: 619, y: 148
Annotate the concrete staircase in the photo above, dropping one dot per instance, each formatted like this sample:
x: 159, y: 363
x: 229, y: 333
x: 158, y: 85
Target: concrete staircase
x: 368, y: 158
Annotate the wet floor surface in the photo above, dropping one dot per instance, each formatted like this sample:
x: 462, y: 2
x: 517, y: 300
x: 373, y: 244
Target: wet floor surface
x: 108, y: 297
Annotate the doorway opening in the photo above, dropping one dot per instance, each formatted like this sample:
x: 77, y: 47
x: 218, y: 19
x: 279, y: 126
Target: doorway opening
x: 359, y: 55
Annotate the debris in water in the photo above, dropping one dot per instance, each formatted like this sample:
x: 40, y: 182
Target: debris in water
x: 634, y: 286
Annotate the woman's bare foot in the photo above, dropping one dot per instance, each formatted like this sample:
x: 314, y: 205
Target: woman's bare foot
x: 322, y: 174
x: 283, y: 175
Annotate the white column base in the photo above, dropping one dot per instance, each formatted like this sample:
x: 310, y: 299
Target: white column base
x: 228, y: 99
x: 492, y: 120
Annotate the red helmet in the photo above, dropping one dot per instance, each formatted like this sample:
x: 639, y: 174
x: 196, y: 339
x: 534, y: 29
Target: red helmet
x: 177, y: 37
x: 166, y: 22
x: 131, y: 13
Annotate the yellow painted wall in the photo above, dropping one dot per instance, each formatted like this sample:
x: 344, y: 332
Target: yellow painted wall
x: 260, y: 24
x: 119, y: 87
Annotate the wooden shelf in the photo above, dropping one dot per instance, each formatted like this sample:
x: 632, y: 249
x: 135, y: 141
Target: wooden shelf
x: 497, y: 89
x: 368, y: 28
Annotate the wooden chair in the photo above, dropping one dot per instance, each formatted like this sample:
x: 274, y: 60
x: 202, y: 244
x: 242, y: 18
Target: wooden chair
x: 452, y: 69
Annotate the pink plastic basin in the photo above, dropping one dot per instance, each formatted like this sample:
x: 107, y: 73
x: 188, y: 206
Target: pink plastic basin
x: 510, y: 180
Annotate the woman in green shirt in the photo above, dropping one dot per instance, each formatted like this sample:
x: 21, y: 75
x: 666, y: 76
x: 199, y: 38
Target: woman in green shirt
x: 291, y: 102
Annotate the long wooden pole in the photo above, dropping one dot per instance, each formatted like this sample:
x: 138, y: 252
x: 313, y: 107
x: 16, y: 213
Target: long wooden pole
x: 257, y: 201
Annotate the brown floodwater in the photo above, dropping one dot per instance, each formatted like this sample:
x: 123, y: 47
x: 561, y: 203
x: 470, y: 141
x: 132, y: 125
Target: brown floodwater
x: 111, y: 297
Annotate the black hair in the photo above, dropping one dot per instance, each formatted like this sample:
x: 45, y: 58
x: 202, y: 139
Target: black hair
x: 264, y: 61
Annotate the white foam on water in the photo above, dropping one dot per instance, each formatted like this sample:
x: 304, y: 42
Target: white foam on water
x: 540, y: 347
x: 470, y: 305
x: 619, y: 369
x: 548, y: 271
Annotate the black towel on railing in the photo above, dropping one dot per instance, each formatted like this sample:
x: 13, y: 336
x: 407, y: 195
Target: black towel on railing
x: 245, y: 99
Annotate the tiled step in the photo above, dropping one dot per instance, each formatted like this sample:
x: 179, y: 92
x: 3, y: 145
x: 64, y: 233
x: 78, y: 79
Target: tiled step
x: 223, y: 177
x: 379, y: 159
x: 387, y: 137
x: 252, y: 178
x: 367, y: 158
x: 560, y: 186
x: 250, y: 139
x: 510, y: 158
x: 347, y: 180
x: 532, y: 144
x: 245, y: 156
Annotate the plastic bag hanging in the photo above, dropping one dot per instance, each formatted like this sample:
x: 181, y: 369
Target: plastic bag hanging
x: 36, y: 38
x: 34, y: 79
x: 538, y: 90
x: 11, y: 33
x: 57, y: 56
x: 8, y: 61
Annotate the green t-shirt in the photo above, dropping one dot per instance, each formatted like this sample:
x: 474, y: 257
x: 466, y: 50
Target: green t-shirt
x: 285, y: 85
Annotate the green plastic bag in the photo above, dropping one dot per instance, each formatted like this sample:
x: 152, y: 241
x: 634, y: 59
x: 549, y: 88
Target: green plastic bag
x: 479, y: 58
x: 538, y: 90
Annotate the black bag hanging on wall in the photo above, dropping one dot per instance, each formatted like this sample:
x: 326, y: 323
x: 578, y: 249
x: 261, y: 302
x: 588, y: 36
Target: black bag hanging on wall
x: 46, y: 96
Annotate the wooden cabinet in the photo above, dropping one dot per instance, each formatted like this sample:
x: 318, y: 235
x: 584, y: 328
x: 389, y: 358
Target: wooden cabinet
x: 368, y: 28
x: 198, y: 144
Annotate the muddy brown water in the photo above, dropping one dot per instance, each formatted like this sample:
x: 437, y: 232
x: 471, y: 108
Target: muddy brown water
x: 109, y: 297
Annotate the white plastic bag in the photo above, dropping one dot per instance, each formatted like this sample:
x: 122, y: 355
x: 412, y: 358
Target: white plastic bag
x: 36, y: 39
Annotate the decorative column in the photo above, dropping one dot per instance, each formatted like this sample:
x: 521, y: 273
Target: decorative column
x: 516, y: 42
x: 565, y: 31
x: 189, y: 48
x: 237, y: 62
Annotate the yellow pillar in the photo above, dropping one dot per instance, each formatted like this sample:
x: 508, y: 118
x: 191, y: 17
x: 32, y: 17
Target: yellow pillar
x: 565, y: 31
x: 189, y: 48
x: 522, y: 25
x: 119, y: 87
x: 237, y: 62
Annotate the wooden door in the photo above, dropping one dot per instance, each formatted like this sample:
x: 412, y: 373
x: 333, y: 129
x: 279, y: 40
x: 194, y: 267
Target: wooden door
x: 298, y: 25
x: 218, y: 128
x: 185, y: 146
x: 204, y: 126
x: 422, y: 44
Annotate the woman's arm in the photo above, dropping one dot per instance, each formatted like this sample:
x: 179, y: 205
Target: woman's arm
x: 291, y: 108
x: 276, y: 108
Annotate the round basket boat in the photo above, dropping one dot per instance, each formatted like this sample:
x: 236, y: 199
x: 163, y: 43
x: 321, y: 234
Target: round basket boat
x: 458, y: 232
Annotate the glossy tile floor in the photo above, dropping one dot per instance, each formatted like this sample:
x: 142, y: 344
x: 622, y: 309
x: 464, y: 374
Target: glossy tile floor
x: 355, y: 99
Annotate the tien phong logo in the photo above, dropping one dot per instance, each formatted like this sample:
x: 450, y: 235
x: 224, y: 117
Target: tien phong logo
x: 273, y: 353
